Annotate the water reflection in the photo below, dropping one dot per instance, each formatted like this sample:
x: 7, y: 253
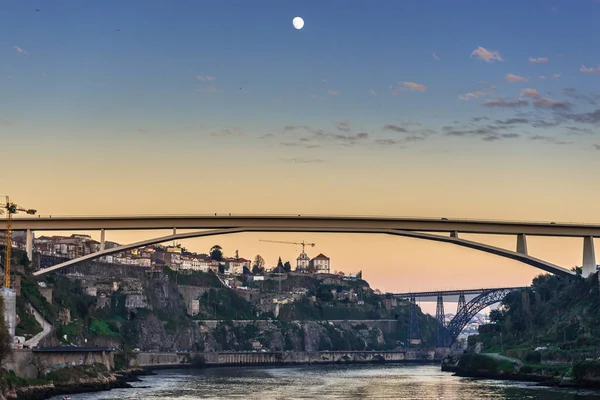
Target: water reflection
x: 330, y: 382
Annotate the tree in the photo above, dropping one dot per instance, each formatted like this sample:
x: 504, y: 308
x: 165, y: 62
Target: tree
x: 5, y: 339
x: 216, y: 253
x: 279, y: 268
x: 259, y: 265
x: 39, y: 364
x: 287, y: 267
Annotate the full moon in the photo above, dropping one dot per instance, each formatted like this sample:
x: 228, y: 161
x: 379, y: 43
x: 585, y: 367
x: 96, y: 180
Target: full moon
x: 298, y: 23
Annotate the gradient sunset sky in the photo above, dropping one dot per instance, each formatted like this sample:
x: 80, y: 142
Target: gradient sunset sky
x: 470, y: 109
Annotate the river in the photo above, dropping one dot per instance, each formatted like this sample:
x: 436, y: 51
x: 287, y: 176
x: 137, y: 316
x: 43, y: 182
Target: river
x: 329, y: 382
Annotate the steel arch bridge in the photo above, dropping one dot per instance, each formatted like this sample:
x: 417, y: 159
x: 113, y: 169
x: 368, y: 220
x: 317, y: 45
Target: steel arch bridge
x: 468, y: 311
x: 446, y: 335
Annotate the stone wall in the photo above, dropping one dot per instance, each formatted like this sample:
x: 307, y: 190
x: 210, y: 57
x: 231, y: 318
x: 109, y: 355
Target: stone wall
x: 30, y: 363
x: 152, y: 360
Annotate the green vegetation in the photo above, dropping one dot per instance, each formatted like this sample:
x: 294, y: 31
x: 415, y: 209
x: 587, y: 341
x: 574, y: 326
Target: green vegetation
x: 9, y: 380
x: 76, y: 373
x: 551, y: 326
x: 225, y: 304
x: 194, y: 278
x: 483, y: 363
x: 28, y: 325
x: 560, y: 314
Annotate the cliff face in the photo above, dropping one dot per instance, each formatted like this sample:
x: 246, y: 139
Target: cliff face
x: 266, y: 335
x: 150, y: 310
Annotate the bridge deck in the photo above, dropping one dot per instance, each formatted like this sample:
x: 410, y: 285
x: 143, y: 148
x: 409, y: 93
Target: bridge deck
x: 454, y: 292
x: 306, y: 223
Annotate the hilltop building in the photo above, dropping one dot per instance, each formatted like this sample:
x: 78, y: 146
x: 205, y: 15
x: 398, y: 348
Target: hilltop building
x: 320, y: 264
x: 302, y: 262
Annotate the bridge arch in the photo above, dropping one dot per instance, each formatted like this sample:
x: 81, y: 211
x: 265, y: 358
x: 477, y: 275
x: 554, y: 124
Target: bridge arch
x: 453, y: 239
x: 466, y: 313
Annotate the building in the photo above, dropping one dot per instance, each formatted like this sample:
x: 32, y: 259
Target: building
x: 196, y: 263
x: 235, y: 266
x: 320, y: 264
x: 302, y: 262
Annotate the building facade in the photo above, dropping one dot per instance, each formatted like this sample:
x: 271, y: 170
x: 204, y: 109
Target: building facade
x: 320, y: 264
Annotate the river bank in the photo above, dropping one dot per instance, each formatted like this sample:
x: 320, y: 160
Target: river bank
x: 80, y: 382
x: 584, y: 375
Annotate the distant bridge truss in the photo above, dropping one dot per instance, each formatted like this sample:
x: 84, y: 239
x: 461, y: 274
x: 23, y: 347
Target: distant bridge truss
x: 446, y: 335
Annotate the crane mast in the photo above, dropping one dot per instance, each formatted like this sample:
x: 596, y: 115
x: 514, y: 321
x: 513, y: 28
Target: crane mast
x: 10, y: 209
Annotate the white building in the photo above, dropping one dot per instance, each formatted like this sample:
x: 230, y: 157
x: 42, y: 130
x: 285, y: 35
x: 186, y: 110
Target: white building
x: 321, y: 264
x: 302, y: 262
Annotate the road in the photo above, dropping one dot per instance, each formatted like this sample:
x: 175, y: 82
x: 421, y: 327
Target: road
x: 45, y: 324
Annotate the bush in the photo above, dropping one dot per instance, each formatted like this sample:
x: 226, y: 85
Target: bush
x: 533, y: 357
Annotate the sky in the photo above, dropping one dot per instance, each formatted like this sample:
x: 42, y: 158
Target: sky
x: 466, y: 109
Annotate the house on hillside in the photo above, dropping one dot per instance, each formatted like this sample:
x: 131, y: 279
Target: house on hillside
x: 235, y: 266
x: 320, y: 264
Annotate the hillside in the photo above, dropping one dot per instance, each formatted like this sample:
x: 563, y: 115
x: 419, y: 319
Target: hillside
x: 549, y: 332
x: 562, y: 314
x: 131, y: 307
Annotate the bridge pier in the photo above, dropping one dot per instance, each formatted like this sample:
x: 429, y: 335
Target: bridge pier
x: 461, y: 303
x: 441, y: 322
x: 414, y: 335
x: 589, y: 257
x: 522, y: 243
x: 102, y: 239
x: 29, y: 244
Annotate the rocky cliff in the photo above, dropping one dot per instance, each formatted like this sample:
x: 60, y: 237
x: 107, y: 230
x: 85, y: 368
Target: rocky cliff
x: 158, y: 310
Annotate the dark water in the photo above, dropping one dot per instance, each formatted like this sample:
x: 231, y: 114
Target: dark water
x: 329, y: 382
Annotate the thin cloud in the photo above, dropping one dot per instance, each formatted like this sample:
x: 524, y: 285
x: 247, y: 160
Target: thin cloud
x: 394, y: 128
x: 291, y: 128
x: 142, y: 131
x: 343, y: 126
x: 515, y: 78
x: 435, y: 56
x: 555, y: 76
x: 229, y: 132
x: 388, y: 142
x: 306, y: 160
x: 549, y: 139
x: 577, y: 131
x: 486, y: 55
x: 538, y: 60
x: 333, y: 92
x: 512, y: 121
x: 505, y: 103
x: 213, y: 89
x: 415, y: 86
x: 591, y: 70
x: 596, y: 146
x: 473, y: 94
x: 205, y: 78
x: 591, y: 99
x: 584, y: 118
x: 20, y: 50
x: 543, y: 102
x: 372, y: 92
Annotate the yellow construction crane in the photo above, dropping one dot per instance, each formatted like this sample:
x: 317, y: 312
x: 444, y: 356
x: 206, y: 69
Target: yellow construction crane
x: 298, y: 244
x: 11, y: 208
